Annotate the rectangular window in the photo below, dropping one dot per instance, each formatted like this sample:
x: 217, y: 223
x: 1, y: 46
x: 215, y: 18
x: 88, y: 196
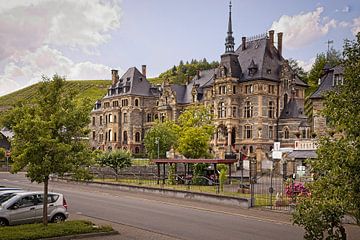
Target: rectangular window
x: 234, y: 111
x: 125, y: 117
x: 93, y: 135
x: 93, y: 121
x: 248, y: 132
x: 101, y: 118
x: 271, y: 132
x: 234, y: 89
x: 249, y: 89
x: 149, y: 117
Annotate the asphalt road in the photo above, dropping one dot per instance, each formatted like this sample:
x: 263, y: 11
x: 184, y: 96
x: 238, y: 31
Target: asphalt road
x: 142, y: 216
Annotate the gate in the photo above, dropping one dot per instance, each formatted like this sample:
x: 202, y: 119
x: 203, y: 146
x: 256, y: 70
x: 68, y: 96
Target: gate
x: 271, y: 189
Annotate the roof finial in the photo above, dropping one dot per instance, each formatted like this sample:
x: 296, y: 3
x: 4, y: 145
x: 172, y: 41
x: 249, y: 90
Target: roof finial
x: 229, y: 41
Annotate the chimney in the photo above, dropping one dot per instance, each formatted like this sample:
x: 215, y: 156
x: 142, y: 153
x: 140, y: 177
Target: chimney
x: 114, y: 76
x: 280, y: 37
x: 143, y: 70
x: 243, y: 43
x: 271, y: 36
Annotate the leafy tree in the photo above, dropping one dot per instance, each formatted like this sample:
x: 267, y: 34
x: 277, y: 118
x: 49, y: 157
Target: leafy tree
x: 332, y: 58
x: 116, y: 160
x: 48, y: 134
x: 162, y: 136
x: 297, y: 69
x: 2, y: 153
x: 196, y: 132
x: 336, y: 189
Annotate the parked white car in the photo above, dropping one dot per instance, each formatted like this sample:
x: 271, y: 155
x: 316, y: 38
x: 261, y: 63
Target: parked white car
x: 27, y: 207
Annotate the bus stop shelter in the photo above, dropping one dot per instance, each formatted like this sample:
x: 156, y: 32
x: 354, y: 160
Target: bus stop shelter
x: 161, y: 163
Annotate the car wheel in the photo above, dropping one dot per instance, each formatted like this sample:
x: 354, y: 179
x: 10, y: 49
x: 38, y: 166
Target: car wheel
x: 58, y: 218
x: 3, y: 222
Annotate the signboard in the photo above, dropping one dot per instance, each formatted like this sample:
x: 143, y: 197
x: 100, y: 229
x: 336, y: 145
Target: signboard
x: 266, y: 164
x: 276, y: 146
x: 276, y: 155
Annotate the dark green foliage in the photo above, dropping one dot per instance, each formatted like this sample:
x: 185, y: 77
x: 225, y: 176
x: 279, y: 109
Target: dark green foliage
x: 90, y: 89
x: 332, y: 59
x: 171, y: 175
x: 116, y: 160
x: 162, y: 136
x: 196, y: 132
x: 184, y: 72
x: 2, y: 153
x: 48, y: 133
x: 336, y: 189
x: 298, y: 70
x: 38, y: 231
x: 199, y: 173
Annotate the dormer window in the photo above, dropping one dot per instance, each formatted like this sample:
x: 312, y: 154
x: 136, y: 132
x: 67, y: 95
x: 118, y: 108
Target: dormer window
x: 338, y: 79
x: 252, y: 68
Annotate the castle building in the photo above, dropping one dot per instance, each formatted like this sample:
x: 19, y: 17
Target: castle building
x: 254, y: 95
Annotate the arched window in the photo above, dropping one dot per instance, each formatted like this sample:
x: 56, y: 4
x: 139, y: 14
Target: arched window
x: 114, y: 136
x: 271, y: 110
x: 149, y: 117
x: 248, y: 112
x: 125, y: 137
x: 221, y: 110
x: 114, y: 118
x: 137, y: 137
x: 125, y: 118
x: 286, y: 133
x: 110, y: 118
x: 136, y: 102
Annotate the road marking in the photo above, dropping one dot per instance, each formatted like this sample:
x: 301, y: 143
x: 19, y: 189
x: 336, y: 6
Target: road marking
x: 260, y: 219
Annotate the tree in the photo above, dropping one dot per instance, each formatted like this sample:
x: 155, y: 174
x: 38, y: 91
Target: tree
x: 160, y: 138
x: 297, y: 69
x: 196, y: 132
x: 332, y: 58
x: 49, y: 134
x: 2, y: 153
x: 336, y: 187
x: 116, y: 160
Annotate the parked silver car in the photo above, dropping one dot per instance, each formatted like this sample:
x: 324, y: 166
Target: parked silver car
x: 6, y: 195
x: 27, y: 207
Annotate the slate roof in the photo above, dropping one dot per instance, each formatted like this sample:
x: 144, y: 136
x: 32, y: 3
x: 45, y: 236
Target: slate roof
x: 292, y: 110
x: 327, y: 82
x: 135, y: 81
x: 263, y: 56
x: 302, y: 154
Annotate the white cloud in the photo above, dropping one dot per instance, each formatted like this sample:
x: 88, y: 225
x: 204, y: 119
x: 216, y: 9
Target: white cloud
x: 307, y: 64
x: 345, y: 9
x: 355, y: 26
x: 47, y: 61
x: 304, y: 28
x: 33, y: 31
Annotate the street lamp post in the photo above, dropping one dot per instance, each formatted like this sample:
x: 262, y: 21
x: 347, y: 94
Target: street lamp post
x: 157, y: 141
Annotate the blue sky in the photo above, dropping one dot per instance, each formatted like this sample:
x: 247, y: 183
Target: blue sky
x: 85, y: 39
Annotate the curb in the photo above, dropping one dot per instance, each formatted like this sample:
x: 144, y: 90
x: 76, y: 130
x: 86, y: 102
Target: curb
x: 81, y: 236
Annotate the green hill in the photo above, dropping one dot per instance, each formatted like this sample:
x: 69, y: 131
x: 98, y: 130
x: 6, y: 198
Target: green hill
x: 92, y: 89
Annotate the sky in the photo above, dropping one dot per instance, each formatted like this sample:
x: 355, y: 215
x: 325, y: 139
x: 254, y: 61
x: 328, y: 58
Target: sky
x: 85, y: 39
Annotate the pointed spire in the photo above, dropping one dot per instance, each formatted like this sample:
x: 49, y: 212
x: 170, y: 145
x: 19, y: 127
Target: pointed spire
x: 229, y: 44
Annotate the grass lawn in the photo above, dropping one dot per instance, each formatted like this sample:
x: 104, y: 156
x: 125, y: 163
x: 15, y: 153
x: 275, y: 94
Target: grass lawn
x: 38, y: 230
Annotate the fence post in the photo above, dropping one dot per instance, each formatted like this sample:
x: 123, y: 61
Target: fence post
x: 252, y: 181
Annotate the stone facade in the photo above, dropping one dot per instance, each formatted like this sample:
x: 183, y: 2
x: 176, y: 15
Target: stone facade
x: 254, y: 96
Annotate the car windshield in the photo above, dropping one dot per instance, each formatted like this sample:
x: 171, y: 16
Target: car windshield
x: 6, y: 196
